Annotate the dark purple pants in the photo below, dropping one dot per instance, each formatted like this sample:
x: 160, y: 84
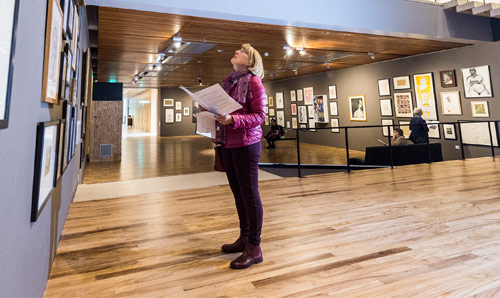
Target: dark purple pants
x: 242, y: 166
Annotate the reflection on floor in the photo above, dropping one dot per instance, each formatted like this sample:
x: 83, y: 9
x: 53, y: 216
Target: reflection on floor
x: 148, y: 157
x: 413, y: 231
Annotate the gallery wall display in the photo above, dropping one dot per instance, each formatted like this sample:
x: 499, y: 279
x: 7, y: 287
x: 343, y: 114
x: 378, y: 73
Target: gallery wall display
x: 425, y: 95
x: 53, y: 44
x: 279, y: 100
x: 300, y: 96
x: 384, y: 88
x: 448, y: 78
x: 169, y: 116
x: 334, y: 124
x: 293, y: 95
x: 480, y: 109
x: 388, y: 126
x: 168, y: 102
x: 386, y: 107
x: 334, y: 108
x: 332, y: 92
x: 477, y: 82
x: 478, y: 133
x: 308, y: 95
x: 357, y: 108
x: 8, y: 22
x: 450, y: 103
x: 45, y: 169
x: 403, y: 104
x: 401, y: 83
x: 321, y: 108
x: 449, y: 132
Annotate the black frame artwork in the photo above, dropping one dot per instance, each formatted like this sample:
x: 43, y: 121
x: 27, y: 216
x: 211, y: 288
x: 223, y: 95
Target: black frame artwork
x: 4, y: 119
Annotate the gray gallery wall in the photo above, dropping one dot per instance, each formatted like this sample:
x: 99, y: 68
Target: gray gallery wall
x: 27, y: 249
x: 184, y: 128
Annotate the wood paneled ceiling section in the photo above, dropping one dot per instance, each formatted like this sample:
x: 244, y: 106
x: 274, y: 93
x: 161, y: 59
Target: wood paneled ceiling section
x: 128, y: 40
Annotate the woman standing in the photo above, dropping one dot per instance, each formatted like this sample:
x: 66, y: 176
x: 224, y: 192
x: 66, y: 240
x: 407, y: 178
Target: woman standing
x: 241, y: 151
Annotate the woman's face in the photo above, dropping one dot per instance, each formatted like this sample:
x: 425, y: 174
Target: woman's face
x: 240, y: 59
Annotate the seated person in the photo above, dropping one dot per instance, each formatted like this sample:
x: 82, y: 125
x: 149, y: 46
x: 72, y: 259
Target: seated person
x: 418, y: 127
x: 398, y: 138
x: 274, y: 134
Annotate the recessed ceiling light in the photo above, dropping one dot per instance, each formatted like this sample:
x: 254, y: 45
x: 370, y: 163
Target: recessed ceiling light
x: 219, y: 50
x: 199, y: 61
x: 266, y: 54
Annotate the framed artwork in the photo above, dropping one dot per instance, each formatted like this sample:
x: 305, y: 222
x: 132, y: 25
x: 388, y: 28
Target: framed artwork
x: 303, y: 126
x: 294, y: 123
x: 424, y: 95
x: 384, y: 88
x: 65, y: 9
x: 280, y: 115
x: 271, y: 112
x: 302, y: 114
x: 480, y: 109
x: 288, y: 125
x: 334, y: 123
x: 478, y: 133
x: 168, y: 102
x: 169, y: 116
x: 60, y: 150
x: 386, y: 107
x: 271, y: 101
x: 308, y: 96
x: 386, y: 128
x: 8, y: 19
x: 67, y: 113
x: 279, y: 100
x: 403, y: 104
x: 178, y: 117
x: 76, y: 28
x: 293, y: 95
x: 312, y: 125
x: 321, y: 108
x: 62, y: 76
x: 405, y: 127
x: 52, y: 59
x: 178, y: 105
x: 357, y: 108
x: 332, y: 92
x: 300, y: 97
x: 266, y: 121
x: 70, y: 21
x: 69, y: 72
x: 477, y: 82
x: 434, y: 129
x: 401, y: 83
x: 294, y: 109
x: 196, y: 110
x: 185, y: 111
x: 450, y: 103
x: 310, y: 111
x: 449, y: 132
x: 448, y: 78
x: 45, y: 166
x: 334, y: 108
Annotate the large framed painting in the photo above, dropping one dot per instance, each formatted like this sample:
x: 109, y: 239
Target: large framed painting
x: 477, y: 82
x: 321, y: 108
x: 386, y: 107
x: 8, y: 22
x: 478, y: 133
x: 403, y: 104
x: 401, y: 83
x: 384, y: 88
x: 424, y: 95
x: 448, y: 78
x: 357, y: 108
x: 450, y: 103
x: 279, y: 101
x: 53, y: 48
x: 45, y: 166
x: 308, y: 96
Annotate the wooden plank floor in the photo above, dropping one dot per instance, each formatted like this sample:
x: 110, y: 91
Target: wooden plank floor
x: 414, y: 231
x: 148, y: 157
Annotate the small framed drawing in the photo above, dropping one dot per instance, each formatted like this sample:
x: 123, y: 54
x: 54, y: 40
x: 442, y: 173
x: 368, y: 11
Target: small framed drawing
x: 266, y: 121
x: 60, y: 150
x: 403, y: 104
x: 334, y: 123
x: 433, y: 129
x: 405, y: 127
x: 67, y: 113
x: 308, y: 96
x: 294, y: 123
x: 178, y: 117
x: 332, y: 92
x: 271, y: 112
x: 303, y: 127
x: 271, y: 101
x: 185, y: 111
x: 384, y: 87
x: 302, y: 114
x: 168, y: 102
x: 280, y: 115
x: 387, y: 126
x: 312, y: 125
x: 448, y: 78
x: 357, y: 108
x: 386, y: 107
x: 288, y: 125
x: 310, y: 111
x: 449, y: 132
x: 401, y: 82
x: 178, y: 105
x: 300, y: 97
x: 293, y: 96
x: 450, y: 103
x: 279, y: 101
x: 169, y: 116
x: 294, y: 109
x: 477, y: 82
x: 45, y: 166
x: 53, y: 48
x: 8, y: 35
x: 267, y: 110
x: 480, y: 109
x: 334, y: 109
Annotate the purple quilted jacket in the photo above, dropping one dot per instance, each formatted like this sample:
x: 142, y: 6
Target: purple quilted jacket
x: 246, y: 129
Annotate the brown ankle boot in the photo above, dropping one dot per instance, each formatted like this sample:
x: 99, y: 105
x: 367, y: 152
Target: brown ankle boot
x: 238, y: 246
x: 251, y: 255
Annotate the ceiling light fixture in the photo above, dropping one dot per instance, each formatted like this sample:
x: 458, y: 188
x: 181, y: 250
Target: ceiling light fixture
x: 301, y: 51
x: 372, y: 55
x: 288, y: 49
x: 266, y: 54
x: 177, y: 41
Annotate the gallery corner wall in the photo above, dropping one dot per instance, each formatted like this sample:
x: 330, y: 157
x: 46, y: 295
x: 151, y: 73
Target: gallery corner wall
x: 28, y: 248
x: 176, y: 96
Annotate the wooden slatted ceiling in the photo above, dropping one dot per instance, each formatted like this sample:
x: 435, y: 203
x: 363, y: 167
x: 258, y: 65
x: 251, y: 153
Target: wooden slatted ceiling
x: 128, y: 40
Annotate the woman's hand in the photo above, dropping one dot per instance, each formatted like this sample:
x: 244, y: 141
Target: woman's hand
x: 225, y: 119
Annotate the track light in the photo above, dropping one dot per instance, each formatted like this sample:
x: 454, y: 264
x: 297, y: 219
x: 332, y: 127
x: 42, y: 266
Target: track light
x: 289, y: 50
x: 301, y: 51
x: 372, y: 55
x: 199, y: 80
x: 177, y: 41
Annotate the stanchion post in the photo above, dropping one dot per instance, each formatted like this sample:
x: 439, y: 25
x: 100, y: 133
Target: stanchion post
x: 459, y: 128
x: 491, y: 140
x: 390, y: 144
x: 299, y: 170
x: 429, y: 146
x: 347, y: 149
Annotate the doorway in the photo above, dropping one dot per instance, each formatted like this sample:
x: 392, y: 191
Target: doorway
x: 139, y: 112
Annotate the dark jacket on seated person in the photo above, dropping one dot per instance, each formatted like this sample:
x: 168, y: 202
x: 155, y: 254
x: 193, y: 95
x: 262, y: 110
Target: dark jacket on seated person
x: 419, y: 131
x: 399, y: 141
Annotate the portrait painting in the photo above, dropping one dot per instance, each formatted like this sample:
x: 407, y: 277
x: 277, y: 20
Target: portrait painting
x: 357, y: 108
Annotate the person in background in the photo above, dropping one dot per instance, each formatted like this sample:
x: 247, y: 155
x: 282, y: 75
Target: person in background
x: 273, y: 134
x: 241, y: 148
x: 418, y: 127
x: 398, y: 138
